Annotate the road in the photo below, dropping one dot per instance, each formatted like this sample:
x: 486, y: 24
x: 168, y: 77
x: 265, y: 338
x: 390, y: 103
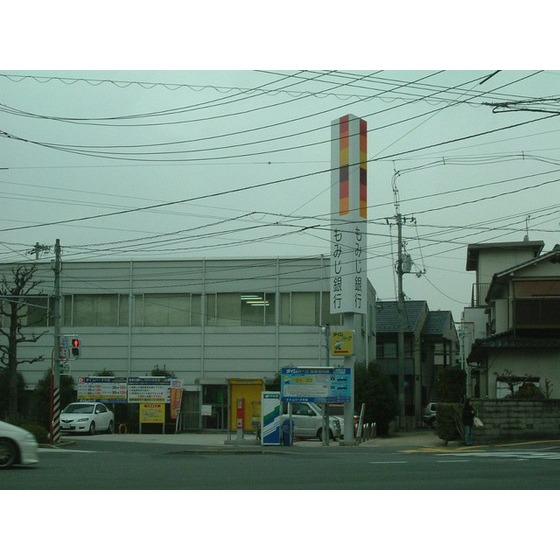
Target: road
x: 103, y: 465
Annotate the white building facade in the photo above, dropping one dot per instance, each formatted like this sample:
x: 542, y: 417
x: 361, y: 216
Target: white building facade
x: 205, y: 321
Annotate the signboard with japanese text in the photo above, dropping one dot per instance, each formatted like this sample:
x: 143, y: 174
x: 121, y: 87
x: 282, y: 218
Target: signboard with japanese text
x: 103, y: 389
x: 149, y: 389
x: 348, y: 289
x: 321, y: 385
x: 152, y: 413
x: 342, y: 343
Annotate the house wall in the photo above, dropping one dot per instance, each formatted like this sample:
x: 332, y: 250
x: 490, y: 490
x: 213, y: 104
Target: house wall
x: 493, y: 260
x: 517, y: 419
x: 538, y: 362
x: 501, y: 314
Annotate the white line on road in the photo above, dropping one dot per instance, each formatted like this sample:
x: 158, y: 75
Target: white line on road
x: 56, y: 450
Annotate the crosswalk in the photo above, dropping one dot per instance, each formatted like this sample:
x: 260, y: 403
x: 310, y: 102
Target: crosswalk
x: 518, y: 455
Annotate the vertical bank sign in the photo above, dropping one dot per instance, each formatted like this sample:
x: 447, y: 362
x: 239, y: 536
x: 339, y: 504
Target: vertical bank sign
x: 348, y: 289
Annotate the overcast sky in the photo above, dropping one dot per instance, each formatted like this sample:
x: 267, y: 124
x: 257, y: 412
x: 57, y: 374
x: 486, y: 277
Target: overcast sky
x: 212, y: 164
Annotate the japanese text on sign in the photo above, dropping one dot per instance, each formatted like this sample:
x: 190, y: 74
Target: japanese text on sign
x: 327, y: 385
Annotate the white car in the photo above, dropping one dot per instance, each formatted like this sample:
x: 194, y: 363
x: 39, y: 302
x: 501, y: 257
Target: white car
x: 87, y: 417
x: 17, y: 446
x: 308, y: 421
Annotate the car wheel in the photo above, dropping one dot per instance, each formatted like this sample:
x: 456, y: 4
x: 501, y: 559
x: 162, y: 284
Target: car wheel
x: 111, y: 428
x: 92, y: 429
x: 8, y: 454
x: 320, y: 434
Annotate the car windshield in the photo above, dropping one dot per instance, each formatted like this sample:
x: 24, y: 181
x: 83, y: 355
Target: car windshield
x: 79, y: 409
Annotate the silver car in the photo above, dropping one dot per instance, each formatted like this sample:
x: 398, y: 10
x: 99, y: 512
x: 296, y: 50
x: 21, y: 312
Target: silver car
x: 429, y: 415
x: 308, y: 421
x: 17, y: 446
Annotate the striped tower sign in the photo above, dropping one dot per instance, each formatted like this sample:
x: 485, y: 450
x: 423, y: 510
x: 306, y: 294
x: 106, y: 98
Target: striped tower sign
x: 348, y: 215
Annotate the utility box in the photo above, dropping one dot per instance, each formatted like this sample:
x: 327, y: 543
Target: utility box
x: 248, y: 391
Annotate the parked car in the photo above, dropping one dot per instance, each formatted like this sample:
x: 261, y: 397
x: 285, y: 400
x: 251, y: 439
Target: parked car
x: 308, y: 421
x: 87, y: 417
x: 337, y: 410
x: 17, y: 446
x: 429, y: 415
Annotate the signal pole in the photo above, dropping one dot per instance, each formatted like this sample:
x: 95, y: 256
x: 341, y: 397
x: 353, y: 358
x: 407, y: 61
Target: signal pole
x: 55, y: 362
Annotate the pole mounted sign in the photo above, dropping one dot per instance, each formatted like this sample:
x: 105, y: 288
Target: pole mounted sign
x: 349, y: 215
x: 342, y: 343
x: 320, y: 385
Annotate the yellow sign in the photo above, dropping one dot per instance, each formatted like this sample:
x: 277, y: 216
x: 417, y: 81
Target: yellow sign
x: 342, y: 343
x: 152, y: 413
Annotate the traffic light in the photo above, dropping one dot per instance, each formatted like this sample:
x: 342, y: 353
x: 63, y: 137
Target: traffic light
x: 75, y: 347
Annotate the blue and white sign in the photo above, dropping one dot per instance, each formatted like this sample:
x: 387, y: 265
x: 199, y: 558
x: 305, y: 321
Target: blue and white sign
x: 321, y: 385
x: 270, y: 421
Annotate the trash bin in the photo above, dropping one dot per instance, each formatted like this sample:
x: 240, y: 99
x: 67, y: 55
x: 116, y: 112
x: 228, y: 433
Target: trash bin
x: 287, y: 435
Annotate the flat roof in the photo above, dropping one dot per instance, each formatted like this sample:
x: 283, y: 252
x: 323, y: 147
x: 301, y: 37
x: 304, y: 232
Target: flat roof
x: 474, y: 249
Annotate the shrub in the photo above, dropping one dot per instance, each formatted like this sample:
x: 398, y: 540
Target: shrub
x: 41, y: 435
x: 375, y: 389
x: 449, y: 421
x: 528, y: 391
x: 451, y: 385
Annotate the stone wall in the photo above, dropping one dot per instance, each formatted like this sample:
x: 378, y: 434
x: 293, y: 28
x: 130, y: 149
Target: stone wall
x: 517, y: 419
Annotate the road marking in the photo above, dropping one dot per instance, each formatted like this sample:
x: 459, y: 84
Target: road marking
x: 387, y: 462
x: 56, y: 450
x: 517, y: 455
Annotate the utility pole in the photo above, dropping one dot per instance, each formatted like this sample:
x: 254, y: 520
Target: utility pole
x: 400, y: 311
x: 55, y: 362
x: 39, y: 248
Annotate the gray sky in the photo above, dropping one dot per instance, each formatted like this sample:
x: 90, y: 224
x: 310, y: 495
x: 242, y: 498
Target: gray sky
x: 211, y: 164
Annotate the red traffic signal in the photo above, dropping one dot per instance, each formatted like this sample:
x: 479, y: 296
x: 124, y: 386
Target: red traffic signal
x: 76, y: 347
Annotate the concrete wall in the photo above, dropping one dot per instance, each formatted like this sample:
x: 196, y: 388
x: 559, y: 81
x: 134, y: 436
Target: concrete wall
x: 517, y: 420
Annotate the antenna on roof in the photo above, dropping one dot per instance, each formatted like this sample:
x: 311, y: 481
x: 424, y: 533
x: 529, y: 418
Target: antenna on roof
x: 526, y: 238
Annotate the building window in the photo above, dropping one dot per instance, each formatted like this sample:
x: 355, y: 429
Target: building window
x: 95, y: 310
x: 387, y: 350
x: 241, y: 309
x: 307, y: 309
x: 38, y: 313
x: 300, y: 308
x: 167, y: 310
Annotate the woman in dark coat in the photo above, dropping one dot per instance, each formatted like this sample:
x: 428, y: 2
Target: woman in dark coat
x: 468, y: 420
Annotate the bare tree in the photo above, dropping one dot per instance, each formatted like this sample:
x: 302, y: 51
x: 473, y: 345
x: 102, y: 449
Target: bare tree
x: 15, y: 297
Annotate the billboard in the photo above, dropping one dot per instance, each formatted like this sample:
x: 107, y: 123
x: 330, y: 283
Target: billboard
x: 104, y: 389
x: 320, y: 385
x: 149, y: 389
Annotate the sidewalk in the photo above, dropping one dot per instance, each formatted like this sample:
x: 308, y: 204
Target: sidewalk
x: 416, y: 438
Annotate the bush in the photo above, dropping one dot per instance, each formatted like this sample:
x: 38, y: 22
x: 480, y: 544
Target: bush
x: 528, y: 391
x: 451, y: 385
x: 449, y: 421
x: 375, y: 389
x: 41, y: 435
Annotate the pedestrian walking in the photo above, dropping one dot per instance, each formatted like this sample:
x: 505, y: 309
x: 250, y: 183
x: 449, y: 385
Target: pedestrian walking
x: 468, y: 421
